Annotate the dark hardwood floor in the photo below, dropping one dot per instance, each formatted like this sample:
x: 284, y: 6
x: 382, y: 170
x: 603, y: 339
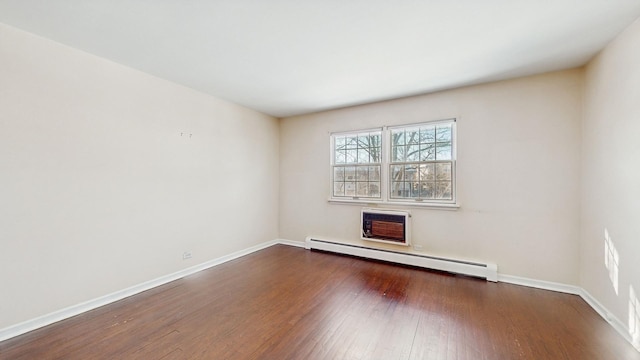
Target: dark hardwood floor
x: 289, y: 303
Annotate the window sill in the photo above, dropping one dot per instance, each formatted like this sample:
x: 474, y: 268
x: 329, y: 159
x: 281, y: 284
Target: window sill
x: 378, y: 203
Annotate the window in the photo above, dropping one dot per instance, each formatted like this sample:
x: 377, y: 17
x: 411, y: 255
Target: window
x: 357, y: 164
x: 421, y: 165
x: 400, y: 164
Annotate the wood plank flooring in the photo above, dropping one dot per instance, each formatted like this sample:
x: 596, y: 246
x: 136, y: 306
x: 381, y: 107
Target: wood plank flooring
x: 289, y: 303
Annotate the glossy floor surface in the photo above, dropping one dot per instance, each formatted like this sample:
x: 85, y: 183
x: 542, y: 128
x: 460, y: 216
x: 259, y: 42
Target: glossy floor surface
x: 289, y: 303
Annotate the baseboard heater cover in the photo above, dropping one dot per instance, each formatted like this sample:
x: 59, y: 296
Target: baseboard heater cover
x: 483, y: 270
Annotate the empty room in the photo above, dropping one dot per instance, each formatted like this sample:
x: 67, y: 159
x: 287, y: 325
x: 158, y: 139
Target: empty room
x: 319, y: 179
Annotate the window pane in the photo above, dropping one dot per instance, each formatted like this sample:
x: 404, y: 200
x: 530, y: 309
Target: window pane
x: 397, y: 172
x: 374, y: 139
x: 375, y: 148
x: 427, y: 152
x: 427, y: 172
x: 427, y: 189
x: 363, y: 141
x: 350, y: 173
x: 374, y: 154
x: 350, y: 189
x: 341, y: 157
x: 362, y: 189
x: 443, y: 137
x: 397, y: 137
x: 443, y: 151
x: 399, y: 189
x: 350, y: 181
x: 415, y: 189
x: 428, y: 134
x: 397, y: 153
x: 443, y: 171
x: 411, y: 172
x: 413, y: 153
x: 374, y: 189
x: 352, y: 156
x: 443, y: 133
x: 362, y: 173
x: 363, y: 156
x: 405, y: 188
x: 352, y: 142
x: 395, y: 188
x: 363, y: 148
x: 374, y: 173
x: 443, y: 190
x: 412, y: 136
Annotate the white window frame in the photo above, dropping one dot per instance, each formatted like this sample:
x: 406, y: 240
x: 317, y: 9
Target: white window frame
x: 333, y: 136
x: 385, y: 173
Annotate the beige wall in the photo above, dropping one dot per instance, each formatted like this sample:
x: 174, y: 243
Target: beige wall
x: 100, y: 192
x: 518, y: 174
x: 611, y: 174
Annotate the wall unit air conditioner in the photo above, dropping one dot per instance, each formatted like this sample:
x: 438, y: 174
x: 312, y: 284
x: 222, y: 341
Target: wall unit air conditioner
x: 387, y: 226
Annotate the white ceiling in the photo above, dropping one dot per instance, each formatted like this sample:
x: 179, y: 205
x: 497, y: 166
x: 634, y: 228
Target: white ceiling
x: 287, y: 57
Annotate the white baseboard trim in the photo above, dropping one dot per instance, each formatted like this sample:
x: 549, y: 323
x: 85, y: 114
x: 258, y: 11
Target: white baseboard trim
x: 618, y: 325
x: 607, y: 316
x: 540, y: 284
x: 291, y: 243
x: 41, y: 321
x: 33, y: 324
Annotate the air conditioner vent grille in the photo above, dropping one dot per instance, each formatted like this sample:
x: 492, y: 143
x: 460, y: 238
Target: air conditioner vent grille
x: 388, y: 226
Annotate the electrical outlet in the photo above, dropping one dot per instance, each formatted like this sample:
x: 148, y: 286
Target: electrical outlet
x: 417, y: 247
x: 186, y: 255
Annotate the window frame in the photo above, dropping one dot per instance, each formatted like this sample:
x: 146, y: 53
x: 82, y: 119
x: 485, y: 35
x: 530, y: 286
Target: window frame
x: 333, y: 165
x: 389, y: 163
x: 385, y: 169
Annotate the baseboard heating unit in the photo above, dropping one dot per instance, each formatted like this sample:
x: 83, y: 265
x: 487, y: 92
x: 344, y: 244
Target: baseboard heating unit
x: 481, y: 270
